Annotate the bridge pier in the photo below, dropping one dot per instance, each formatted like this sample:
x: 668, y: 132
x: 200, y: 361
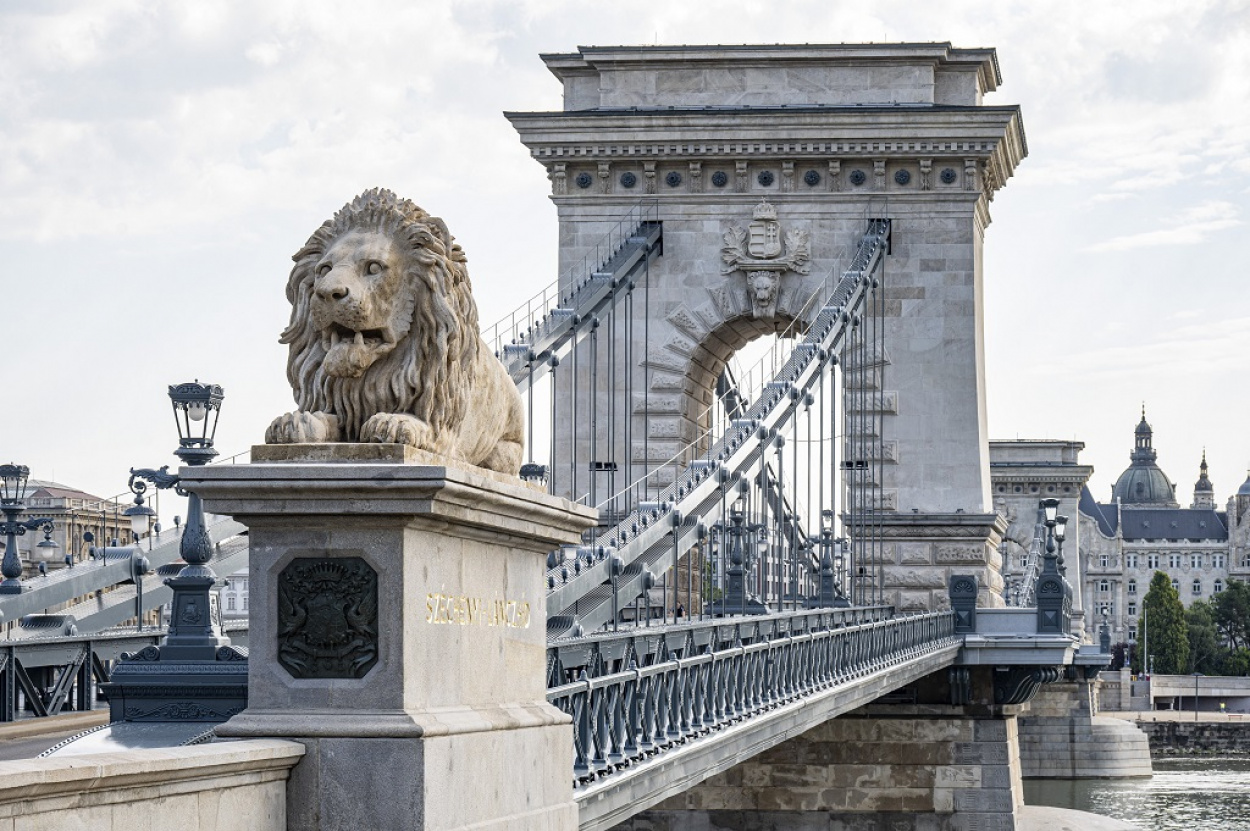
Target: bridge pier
x: 908, y: 762
x: 399, y: 633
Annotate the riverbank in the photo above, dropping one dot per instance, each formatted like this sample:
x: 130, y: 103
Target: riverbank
x: 1174, y: 733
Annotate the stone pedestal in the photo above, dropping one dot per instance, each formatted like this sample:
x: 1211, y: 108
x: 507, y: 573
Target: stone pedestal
x: 398, y: 631
x: 924, y: 550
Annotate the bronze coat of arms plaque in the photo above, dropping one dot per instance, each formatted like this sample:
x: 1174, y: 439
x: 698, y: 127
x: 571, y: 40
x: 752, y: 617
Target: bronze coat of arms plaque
x: 328, y: 617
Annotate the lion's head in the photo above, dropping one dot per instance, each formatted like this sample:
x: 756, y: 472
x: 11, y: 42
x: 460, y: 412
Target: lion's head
x: 382, y: 316
x: 763, y: 287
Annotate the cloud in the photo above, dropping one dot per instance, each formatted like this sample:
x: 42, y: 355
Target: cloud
x: 1190, y: 227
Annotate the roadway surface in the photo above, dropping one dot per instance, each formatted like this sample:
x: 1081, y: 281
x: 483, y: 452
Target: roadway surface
x: 28, y: 738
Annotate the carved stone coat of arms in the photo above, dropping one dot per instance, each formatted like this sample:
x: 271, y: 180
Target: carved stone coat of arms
x: 762, y: 252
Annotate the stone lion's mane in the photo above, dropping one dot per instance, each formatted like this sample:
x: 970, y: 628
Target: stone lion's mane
x: 429, y: 371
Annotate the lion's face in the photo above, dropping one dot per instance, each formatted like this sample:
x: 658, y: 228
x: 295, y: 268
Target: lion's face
x: 763, y: 285
x: 359, y: 304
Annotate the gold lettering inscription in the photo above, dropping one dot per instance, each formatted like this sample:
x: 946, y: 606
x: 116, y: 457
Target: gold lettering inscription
x: 462, y: 610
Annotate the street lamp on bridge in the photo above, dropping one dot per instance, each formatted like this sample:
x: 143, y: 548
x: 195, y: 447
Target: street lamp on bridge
x: 1054, y: 595
x: 13, y: 481
x: 198, y: 674
x: 193, y: 630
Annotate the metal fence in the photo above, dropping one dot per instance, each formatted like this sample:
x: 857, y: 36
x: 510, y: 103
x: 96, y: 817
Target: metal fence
x: 46, y: 676
x: 624, y: 717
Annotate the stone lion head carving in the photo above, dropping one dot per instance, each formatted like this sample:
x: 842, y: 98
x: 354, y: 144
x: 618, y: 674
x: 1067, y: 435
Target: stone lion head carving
x: 762, y: 286
x: 384, y: 343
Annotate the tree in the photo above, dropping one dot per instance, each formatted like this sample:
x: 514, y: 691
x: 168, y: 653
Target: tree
x: 1232, y: 614
x: 1205, y: 653
x: 1167, y: 632
x: 1236, y: 663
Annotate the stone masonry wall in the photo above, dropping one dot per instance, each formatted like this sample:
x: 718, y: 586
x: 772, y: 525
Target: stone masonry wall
x: 1173, y: 738
x: 902, y: 768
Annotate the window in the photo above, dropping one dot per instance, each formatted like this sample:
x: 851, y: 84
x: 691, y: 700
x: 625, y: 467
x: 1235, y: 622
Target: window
x: 1152, y: 561
x: 230, y: 602
x: 1195, y: 561
x: 1174, y: 561
x: 1218, y: 561
x: 245, y: 602
x: 1245, y: 561
x: 1197, y: 589
x: 1132, y: 633
x: 1132, y: 587
x: 1176, y: 585
x: 1132, y: 607
x: 1217, y: 587
x: 1130, y: 560
x: 1104, y: 561
x: 1104, y: 586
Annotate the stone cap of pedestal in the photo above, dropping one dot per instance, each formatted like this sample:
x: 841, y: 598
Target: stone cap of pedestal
x: 381, y: 724
x: 1024, y: 649
x: 461, y: 495
x: 1091, y: 655
x: 934, y: 526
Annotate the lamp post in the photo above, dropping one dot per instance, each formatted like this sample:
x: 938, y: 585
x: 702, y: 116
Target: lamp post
x: 13, y: 480
x: 1060, y: 531
x: 194, y: 674
x: 193, y: 630
x: 48, y: 546
x: 1054, y: 595
x: 616, y: 566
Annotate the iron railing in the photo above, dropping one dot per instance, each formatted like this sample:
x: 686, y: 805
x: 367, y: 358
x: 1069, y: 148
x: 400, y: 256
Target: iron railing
x: 45, y: 676
x: 625, y: 717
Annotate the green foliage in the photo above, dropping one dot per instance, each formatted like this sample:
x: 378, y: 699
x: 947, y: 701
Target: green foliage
x: 1232, y: 614
x: 1236, y: 662
x: 1167, y: 631
x: 1205, y: 653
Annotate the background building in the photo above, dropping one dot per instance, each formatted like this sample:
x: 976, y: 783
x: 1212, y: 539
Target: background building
x: 1117, y: 546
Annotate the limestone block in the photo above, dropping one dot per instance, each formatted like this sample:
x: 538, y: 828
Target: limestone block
x: 958, y: 553
x: 914, y: 601
x: 915, y: 578
x: 914, y: 552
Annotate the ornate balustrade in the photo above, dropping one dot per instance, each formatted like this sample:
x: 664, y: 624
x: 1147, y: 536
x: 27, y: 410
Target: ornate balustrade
x: 622, y: 718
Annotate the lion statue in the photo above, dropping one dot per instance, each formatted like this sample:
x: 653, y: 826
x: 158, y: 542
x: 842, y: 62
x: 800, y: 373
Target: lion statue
x: 384, y: 343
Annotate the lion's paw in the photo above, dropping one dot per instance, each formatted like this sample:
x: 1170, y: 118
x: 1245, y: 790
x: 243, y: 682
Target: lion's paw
x: 398, y: 428
x: 303, y: 427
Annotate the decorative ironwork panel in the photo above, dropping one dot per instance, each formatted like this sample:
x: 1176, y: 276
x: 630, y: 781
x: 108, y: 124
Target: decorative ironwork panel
x: 328, y: 617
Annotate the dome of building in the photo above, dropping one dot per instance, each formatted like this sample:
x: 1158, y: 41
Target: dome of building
x: 1244, y: 490
x: 1144, y: 483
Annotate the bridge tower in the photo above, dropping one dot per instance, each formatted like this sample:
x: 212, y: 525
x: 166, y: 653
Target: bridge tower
x: 764, y: 163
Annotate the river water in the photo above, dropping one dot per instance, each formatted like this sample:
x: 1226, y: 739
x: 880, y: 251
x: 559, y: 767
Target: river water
x: 1183, y: 795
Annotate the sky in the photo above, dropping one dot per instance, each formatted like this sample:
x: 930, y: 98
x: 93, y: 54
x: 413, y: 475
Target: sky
x: 161, y: 161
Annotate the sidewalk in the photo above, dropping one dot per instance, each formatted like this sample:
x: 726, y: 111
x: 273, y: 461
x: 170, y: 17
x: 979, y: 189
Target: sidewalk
x: 1202, y: 717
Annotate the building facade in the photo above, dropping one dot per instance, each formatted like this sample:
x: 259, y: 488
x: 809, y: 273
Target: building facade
x: 72, y: 513
x: 1117, y: 546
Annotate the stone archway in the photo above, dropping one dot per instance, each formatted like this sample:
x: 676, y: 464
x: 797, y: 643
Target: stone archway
x: 682, y: 375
